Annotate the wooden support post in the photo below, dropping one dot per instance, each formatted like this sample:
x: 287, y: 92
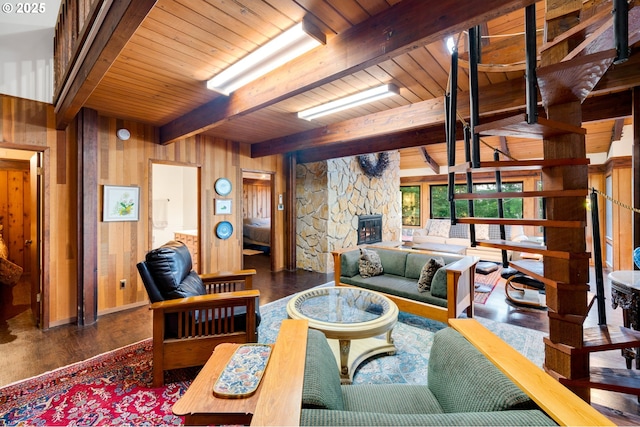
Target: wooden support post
x: 87, y: 210
x: 568, y: 301
x: 635, y: 172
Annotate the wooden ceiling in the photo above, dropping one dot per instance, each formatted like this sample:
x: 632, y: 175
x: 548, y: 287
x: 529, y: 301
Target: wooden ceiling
x: 159, y: 75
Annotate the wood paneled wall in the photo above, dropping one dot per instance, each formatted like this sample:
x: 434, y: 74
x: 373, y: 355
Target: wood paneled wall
x: 620, y: 170
x: 256, y: 195
x: 31, y: 125
x: 15, y: 211
x: 123, y: 244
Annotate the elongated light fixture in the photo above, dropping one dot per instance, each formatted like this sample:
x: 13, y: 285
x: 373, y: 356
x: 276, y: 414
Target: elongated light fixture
x: 294, y: 42
x: 350, y: 101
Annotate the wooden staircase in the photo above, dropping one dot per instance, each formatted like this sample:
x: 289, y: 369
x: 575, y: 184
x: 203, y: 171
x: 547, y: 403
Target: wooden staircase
x: 567, y: 82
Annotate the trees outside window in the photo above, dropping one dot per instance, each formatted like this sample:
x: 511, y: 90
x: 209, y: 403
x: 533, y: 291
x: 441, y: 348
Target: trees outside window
x: 410, y: 205
x: 487, y: 208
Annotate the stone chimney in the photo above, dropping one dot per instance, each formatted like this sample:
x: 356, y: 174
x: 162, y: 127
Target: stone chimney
x: 331, y: 195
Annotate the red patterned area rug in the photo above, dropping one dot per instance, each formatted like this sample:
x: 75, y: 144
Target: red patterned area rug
x: 485, y: 282
x: 113, y: 388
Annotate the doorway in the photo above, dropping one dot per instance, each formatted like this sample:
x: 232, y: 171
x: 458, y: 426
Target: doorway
x: 175, y: 206
x: 257, y: 214
x: 21, y: 202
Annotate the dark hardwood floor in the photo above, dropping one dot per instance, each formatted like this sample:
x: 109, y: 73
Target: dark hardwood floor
x: 27, y: 351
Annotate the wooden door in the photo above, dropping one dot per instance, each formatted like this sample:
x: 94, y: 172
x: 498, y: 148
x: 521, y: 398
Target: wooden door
x: 15, y: 215
x: 34, y: 242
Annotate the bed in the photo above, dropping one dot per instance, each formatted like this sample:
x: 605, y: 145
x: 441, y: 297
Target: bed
x: 257, y: 231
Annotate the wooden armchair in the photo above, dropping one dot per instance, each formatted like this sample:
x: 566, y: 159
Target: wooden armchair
x: 193, y: 313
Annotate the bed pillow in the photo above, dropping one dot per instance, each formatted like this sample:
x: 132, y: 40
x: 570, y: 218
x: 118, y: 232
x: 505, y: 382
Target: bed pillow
x: 428, y: 271
x: 369, y: 264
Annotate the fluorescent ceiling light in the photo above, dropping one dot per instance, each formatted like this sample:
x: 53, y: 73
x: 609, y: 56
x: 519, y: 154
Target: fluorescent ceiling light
x: 354, y: 100
x: 451, y: 45
x: 294, y: 42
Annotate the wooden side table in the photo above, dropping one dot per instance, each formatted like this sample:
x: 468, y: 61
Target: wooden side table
x: 625, y: 293
x: 282, y: 381
x: 199, y: 406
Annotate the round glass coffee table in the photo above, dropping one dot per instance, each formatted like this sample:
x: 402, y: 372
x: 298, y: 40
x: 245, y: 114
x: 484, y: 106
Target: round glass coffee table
x: 350, y: 318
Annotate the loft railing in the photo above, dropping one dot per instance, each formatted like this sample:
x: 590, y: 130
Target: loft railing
x: 75, y: 19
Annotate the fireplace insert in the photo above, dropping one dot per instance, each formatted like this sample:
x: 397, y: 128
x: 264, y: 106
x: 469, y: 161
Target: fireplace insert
x: 369, y: 229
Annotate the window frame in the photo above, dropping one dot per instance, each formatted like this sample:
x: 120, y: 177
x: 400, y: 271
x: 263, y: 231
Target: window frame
x: 416, y: 208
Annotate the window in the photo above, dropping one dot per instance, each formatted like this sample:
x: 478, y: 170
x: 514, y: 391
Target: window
x: 487, y: 208
x: 410, y: 205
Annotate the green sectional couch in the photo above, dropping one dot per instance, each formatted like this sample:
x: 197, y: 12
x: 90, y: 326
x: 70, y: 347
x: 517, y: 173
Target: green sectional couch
x: 464, y: 388
x: 451, y: 290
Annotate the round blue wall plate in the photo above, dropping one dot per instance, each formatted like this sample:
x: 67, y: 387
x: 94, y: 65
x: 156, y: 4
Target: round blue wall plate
x: 224, y: 230
x: 222, y: 186
x: 636, y: 257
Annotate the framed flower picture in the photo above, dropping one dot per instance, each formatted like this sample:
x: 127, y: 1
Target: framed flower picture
x: 121, y: 203
x: 223, y: 207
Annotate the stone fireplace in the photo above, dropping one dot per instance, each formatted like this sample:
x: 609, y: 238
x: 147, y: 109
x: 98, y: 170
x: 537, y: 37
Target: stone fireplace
x: 331, y: 196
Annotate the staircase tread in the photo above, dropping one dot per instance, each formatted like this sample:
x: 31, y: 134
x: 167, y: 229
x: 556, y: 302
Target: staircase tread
x: 583, y: 192
x: 573, y: 79
x: 518, y: 126
x: 534, y: 269
x: 582, y: 30
x: 523, y: 221
x: 614, y: 379
x: 517, y: 165
x: 609, y: 337
x: 531, y: 248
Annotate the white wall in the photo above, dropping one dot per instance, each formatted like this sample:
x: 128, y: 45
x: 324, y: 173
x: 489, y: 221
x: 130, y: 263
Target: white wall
x: 26, y: 50
x: 624, y: 146
x: 177, y: 185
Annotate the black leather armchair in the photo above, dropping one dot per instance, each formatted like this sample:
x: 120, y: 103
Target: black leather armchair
x: 193, y: 313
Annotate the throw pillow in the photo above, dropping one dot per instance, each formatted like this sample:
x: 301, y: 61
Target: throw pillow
x: 482, y: 231
x: 428, y: 271
x: 440, y: 228
x: 369, y: 264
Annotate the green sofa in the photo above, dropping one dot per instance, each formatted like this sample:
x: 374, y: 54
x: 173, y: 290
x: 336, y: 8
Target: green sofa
x: 464, y: 388
x: 452, y: 286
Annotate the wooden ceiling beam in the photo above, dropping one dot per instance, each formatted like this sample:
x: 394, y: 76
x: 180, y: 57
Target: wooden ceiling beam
x: 432, y: 163
x: 401, y: 119
x: 615, y: 105
x: 616, y: 132
x: 433, y: 134
x: 113, y: 32
x: 504, y: 147
x: 426, y: 114
x: 406, y: 26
